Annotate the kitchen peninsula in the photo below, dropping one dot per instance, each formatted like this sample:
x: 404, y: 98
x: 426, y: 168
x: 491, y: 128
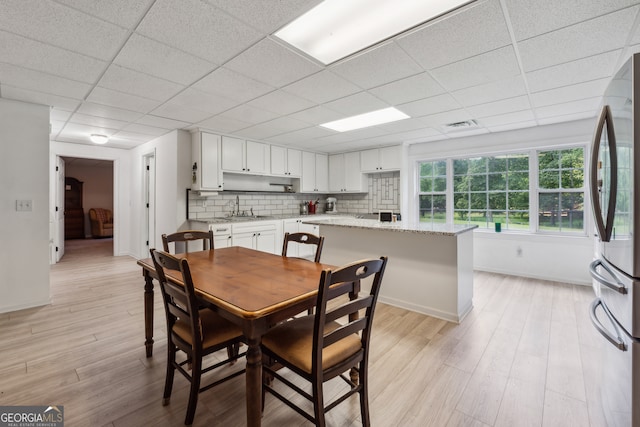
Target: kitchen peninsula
x: 430, y: 268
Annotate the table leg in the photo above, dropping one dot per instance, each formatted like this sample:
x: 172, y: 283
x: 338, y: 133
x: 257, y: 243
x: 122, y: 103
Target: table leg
x: 254, y: 382
x: 148, y: 313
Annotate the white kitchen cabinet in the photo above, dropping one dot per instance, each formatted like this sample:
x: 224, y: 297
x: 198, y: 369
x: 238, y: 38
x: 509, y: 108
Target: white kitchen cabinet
x: 286, y: 161
x: 206, y: 170
x: 315, y: 173
x: 381, y: 159
x: 221, y: 235
x: 295, y: 225
x: 345, y: 174
x: 241, y: 156
x: 261, y: 235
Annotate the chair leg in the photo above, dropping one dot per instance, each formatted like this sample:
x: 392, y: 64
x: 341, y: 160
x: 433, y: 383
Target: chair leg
x: 318, y: 403
x: 196, y: 372
x: 168, y: 382
x: 364, y: 395
x: 232, y: 353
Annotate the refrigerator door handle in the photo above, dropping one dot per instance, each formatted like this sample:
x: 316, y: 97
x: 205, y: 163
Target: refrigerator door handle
x: 618, y: 286
x: 616, y: 340
x: 604, y: 229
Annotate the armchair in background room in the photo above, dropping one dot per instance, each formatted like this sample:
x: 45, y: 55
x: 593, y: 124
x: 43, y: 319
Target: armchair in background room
x: 101, y: 222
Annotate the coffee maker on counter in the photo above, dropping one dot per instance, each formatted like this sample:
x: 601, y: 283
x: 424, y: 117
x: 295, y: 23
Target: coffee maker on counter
x: 330, y: 206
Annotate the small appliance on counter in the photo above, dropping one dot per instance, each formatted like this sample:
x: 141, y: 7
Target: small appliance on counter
x: 330, y: 206
x: 312, y: 207
x: 304, y: 208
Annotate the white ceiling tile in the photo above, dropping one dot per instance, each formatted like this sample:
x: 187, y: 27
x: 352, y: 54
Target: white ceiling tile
x: 322, y: 87
x: 281, y: 102
x: 286, y: 124
x: 581, y: 106
x: 108, y: 112
x: 140, y: 84
x: 34, y: 97
x: 477, y: 28
x: 511, y: 126
x: 504, y: 106
x: 133, y: 136
x: 581, y: 70
x: 434, y: 138
x: 161, y: 122
x: 59, y: 25
x: 298, y: 136
x: 353, y: 135
x: 197, y: 28
x: 223, y: 124
x: 279, y: 66
x: 507, y: 118
x: 408, y: 89
x: 358, y: 103
x: 489, y: 92
x: 42, y: 82
x: 462, y: 133
x: 260, y: 131
x: 267, y: 16
x: 577, y: 41
x: 75, y: 129
x: 60, y: 115
x: 403, y: 125
x: 377, y: 66
x: 568, y: 118
x: 233, y: 85
x: 499, y: 64
x: 56, y: 126
x: 569, y: 93
x: 39, y: 56
x: 104, y: 96
x: 436, y: 121
x: 145, y: 130
x: 435, y: 104
x: 180, y: 112
x: 247, y: 113
x: 102, y: 122
x: 532, y: 18
x: 126, y: 13
x: 317, y: 115
x: 149, y: 56
x: 208, y: 102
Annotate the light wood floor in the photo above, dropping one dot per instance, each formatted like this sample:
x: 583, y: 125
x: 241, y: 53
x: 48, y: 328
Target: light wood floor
x: 525, y: 356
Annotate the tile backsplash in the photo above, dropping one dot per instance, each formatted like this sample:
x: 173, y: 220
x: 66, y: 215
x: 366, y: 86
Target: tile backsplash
x: 384, y: 193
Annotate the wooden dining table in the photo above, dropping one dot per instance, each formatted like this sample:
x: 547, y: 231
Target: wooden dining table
x: 253, y: 289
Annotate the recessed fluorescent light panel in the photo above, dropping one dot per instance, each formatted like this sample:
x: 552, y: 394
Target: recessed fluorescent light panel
x: 338, y: 28
x: 372, y: 118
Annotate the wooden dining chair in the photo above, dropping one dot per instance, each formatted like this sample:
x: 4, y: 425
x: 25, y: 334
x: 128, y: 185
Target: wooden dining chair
x: 186, y: 237
x: 304, y: 239
x: 328, y: 344
x: 194, y: 331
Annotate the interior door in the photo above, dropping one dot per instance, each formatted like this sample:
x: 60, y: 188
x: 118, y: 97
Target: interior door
x: 59, y: 209
x: 150, y: 201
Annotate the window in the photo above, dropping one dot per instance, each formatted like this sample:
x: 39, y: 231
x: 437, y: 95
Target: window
x: 432, y: 195
x: 487, y: 190
x: 561, y: 190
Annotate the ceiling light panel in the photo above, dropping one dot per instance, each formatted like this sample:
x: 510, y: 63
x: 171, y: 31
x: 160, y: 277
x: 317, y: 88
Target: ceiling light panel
x: 372, y: 118
x: 336, y: 28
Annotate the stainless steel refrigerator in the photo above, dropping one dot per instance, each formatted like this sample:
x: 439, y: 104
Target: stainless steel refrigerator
x: 615, y: 312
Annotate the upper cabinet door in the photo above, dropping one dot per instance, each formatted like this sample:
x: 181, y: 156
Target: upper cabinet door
x: 294, y: 162
x: 258, y: 157
x: 322, y: 173
x: 206, y: 171
x: 391, y: 158
x: 233, y: 154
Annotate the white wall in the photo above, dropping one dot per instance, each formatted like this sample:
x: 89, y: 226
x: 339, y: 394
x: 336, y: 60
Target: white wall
x: 24, y: 175
x: 548, y: 257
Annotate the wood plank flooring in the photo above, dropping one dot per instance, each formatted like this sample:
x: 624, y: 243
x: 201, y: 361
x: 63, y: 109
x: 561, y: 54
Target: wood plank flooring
x: 525, y: 356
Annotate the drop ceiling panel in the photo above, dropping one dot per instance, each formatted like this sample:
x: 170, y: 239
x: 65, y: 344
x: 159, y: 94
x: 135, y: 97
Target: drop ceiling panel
x: 250, y: 114
x: 178, y: 111
x: 59, y: 25
x: 435, y: 104
x: 408, y: 89
x: 436, y: 121
x: 489, y: 92
x: 317, y: 115
x: 85, y: 119
x: 507, y: 118
x: 567, y: 117
x: 223, y: 124
x: 512, y: 126
x: 151, y: 57
x: 76, y: 129
x: 125, y: 13
x: 232, y: 85
x: 577, y: 41
x: 299, y: 136
x: 267, y: 16
x: 39, y: 56
x: 261, y: 131
x: 100, y: 95
x: 197, y: 28
x: 137, y: 83
x: 161, y: 122
x: 499, y: 64
x: 358, y: 103
x: 477, y: 28
x: 35, y: 97
x: 575, y: 92
x: 281, y: 102
x: 60, y: 115
x: 42, y: 82
x: 532, y: 18
x: 581, y: 106
x: 377, y: 66
x: 145, y: 130
x: 207, y: 102
x: 108, y: 112
x: 279, y: 66
x: 322, y: 87
x: 504, y: 106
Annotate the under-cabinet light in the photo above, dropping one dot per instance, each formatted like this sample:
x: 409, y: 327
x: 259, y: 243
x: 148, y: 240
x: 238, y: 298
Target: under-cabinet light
x: 338, y: 28
x: 372, y: 118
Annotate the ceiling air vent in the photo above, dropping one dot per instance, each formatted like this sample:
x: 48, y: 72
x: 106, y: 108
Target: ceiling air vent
x: 462, y: 125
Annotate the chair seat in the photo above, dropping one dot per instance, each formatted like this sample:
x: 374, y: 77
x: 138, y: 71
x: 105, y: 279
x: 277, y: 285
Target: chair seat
x: 293, y: 341
x: 216, y: 329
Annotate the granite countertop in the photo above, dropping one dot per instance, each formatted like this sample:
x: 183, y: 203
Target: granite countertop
x: 372, y: 224
x: 240, y: 219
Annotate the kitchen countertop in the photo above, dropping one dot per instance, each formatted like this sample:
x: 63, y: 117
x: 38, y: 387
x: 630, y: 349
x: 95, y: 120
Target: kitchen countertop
x: 240, y: 219
x: 420, y: 228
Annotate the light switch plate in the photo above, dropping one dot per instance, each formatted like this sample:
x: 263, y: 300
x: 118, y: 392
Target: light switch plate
x: 24, y: 205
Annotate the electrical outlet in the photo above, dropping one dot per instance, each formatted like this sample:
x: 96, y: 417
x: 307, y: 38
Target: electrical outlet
x: 519, y: 252
x: 24, y: 205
